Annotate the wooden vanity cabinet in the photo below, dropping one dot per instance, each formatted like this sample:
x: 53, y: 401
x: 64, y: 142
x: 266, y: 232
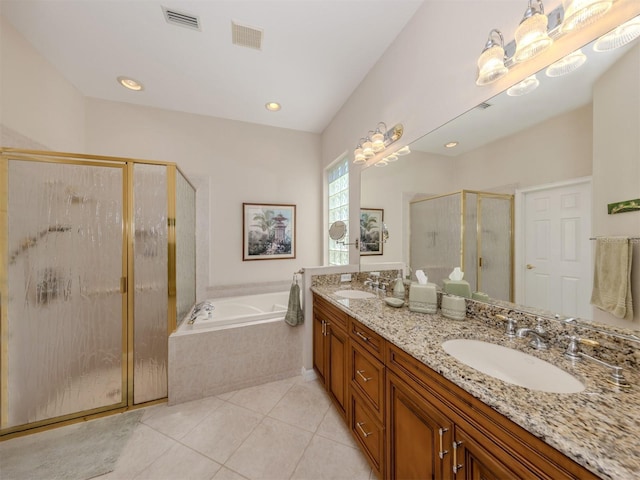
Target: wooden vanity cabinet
x: 367, y: 386
x: 331, y: 350
x: 411, y: 422
x: 483, y: 445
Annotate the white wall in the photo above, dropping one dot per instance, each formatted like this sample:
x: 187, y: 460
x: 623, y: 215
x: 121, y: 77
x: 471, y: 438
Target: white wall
x: 240, y: 162
x: 616, y: 162
x: 555, y: 150
x: 38, y: 106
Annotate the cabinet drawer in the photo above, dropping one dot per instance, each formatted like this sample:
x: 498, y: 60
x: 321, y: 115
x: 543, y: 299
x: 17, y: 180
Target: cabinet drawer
x: 367, y: 375
x: 368, y: 432
x: 366, y: 337
x: 331, y: 313
x: 403, y: 363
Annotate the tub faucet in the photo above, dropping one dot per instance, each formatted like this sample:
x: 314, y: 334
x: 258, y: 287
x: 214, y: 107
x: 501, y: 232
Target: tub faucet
x: 537, y: 340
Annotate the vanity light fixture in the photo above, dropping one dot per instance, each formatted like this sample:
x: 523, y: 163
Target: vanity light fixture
x: 531, y: 35
x: 451, y: 144
x: 491, y: 65
x: 625, y: 33
x: 130, y: 83
x: 527, y: 85
x: 579, y: 13
x: 272, y: 106
x: 566, y: 65
x: 376, y: 141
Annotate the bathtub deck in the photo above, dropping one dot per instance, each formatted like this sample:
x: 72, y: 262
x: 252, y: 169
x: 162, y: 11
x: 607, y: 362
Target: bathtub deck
x: 209, y: 363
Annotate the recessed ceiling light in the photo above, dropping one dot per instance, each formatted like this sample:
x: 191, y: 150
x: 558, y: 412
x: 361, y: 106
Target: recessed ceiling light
x: 451, y: 144
x: 273, y: 106
x: 130, y: 83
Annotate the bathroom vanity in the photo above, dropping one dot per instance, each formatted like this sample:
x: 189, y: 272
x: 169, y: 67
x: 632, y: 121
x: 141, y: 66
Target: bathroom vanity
x: 417, y: 412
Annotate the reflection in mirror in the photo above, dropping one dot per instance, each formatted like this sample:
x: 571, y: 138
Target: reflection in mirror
x: 573, y: 131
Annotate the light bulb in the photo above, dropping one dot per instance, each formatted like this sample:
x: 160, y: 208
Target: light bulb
x: 358, y: 156
x: 531, y: 35
x: 367, y: 149
x: 377, y: 142
x: 491, y: 65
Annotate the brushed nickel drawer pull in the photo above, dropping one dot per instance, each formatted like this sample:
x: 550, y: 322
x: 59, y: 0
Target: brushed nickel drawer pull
x: 359, y: 425
x: 442, y: 452
x: 456, y: 466
x: 364, y: 337
x: 364, y: 379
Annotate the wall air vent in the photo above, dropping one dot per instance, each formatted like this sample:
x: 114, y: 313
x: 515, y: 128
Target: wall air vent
x: 245, y: 36
x: 181, y: 18
x: 483, y: 106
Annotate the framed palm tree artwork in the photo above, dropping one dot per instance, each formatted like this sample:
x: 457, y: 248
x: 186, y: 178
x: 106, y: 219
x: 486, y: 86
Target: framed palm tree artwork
x: 371, y: 225
x: 269, y: 231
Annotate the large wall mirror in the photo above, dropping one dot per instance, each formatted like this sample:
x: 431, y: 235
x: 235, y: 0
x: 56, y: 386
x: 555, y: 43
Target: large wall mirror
x: 548, y: 143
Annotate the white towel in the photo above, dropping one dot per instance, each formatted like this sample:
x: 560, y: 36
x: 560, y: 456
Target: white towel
x: 612, y: 277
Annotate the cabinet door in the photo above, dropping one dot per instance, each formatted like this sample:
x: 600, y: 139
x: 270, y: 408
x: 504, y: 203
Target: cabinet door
x: 336, y: 376
x: 418, y: 435
x: 473, y: 461
x: 319, y: 354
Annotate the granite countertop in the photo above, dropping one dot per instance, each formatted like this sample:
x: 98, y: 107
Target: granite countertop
x: 599, y: 428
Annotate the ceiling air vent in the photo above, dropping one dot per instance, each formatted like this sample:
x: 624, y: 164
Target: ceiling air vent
x: 181, y: 18
x: 483, y: 106
x: 245, y: 36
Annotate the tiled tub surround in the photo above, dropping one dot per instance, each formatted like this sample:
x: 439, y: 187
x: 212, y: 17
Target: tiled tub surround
x: 598, y: 428
x: 210, y: 362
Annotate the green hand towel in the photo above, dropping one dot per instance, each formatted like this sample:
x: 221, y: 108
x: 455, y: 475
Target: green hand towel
x: 294, y: 315
x: 612, y: 277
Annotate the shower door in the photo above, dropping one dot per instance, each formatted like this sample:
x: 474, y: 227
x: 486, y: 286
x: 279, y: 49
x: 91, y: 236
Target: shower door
x: 64, y: 345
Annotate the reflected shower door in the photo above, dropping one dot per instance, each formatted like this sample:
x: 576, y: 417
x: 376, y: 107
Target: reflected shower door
x: 65, y: 342
x: 495, y: 247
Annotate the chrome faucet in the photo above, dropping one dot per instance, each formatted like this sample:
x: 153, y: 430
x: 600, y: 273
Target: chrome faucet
x: 537, y: 340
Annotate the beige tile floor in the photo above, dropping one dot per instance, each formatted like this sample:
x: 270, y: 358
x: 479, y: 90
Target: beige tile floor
x: 281, y: 430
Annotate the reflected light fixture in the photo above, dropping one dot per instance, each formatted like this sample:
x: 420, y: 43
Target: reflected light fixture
x: 566, y: 65
x: 451, y: 144
x: 375, y: 142
x: 579, y: 13
x: 273, y: 106
x: 130, y: 83
x: 531, y: 35
x: 527, y: 85
x: 625, y: 33
x: 403, y: 151
x: 491, y: 62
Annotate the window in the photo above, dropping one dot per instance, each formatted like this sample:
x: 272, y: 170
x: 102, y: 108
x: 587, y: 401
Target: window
x: 338, y: 180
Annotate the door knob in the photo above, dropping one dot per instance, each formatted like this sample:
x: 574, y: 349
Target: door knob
x: 530, y: 267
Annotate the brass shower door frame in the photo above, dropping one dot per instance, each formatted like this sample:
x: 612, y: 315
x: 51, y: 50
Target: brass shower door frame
x: 127, y: 279
x: 463, y: 229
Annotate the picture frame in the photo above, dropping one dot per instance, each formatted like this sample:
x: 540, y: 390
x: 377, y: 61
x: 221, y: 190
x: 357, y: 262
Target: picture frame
x: 268, y: 231
x: 371, y: 228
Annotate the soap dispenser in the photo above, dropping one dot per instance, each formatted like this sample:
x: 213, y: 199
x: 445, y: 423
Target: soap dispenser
x: 398, y: 288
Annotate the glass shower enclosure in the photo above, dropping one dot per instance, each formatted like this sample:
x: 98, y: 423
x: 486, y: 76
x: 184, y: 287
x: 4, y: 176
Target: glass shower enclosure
x: 467, y: 229
x: 87, y: 283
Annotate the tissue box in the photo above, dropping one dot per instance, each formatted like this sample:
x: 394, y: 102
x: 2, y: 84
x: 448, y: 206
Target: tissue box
x: 454, y: 308
x: 423, y: 298
x: 481, y: 297
x: 460, y: 288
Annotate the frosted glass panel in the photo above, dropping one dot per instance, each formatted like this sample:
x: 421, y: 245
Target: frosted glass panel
x: 436, y: 236
x: 470, y: 266
x: 496, y: 247
x: 151, y: 284
x: 65, y: 342
x: 185, y: 246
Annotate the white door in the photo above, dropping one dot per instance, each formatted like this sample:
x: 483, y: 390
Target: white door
x: 555, y: 264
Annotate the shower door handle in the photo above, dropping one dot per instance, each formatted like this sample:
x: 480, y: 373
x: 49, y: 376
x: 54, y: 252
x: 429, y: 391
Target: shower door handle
x: 530, y: 267
x: 123, y: 284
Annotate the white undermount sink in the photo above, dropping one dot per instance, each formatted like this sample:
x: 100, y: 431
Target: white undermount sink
x: 512, y: 366
x: 359, y: 294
